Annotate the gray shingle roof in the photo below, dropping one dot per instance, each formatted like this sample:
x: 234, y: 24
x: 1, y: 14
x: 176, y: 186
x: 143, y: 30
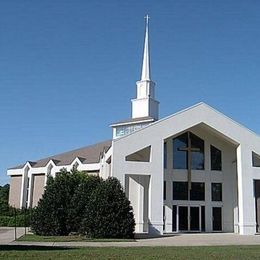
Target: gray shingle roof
x: 87, y: 154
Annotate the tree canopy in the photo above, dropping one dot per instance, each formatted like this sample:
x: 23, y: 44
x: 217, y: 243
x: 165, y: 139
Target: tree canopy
x: 4, y: 194
x: 77, y: 202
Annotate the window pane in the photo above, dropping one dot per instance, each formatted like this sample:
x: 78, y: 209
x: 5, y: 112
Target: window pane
x: 164, y: 190
x: 197, y: 156
x: 215, y: 156
x: 180, y: 190
x: 202, y: 218
x: 174, y: 219
x: 197, y: 191
x: 165, y: 155
x: 180, y: 157
x: 216, y: 191
x: 255, y: 159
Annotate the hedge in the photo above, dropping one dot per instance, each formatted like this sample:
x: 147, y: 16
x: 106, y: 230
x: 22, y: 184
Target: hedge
x: 7, y: 221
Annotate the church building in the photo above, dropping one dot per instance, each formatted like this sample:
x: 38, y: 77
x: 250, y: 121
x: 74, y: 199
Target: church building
x: 194, y: 171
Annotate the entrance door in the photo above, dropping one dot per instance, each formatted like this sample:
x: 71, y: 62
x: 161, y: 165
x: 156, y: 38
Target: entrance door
x: 187, y: 218
x: 257, y: 204
x: 183, y: 218
x: 194, y: 218
x: 217, y: 218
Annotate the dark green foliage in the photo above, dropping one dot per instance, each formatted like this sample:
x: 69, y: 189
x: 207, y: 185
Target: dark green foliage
x: 54, y: 213
x: 11, y: 221
x: 7, y: 218
x: 109, y: 214
x: 13, y: 216
x: 77, y: 202
x: 4, y: 194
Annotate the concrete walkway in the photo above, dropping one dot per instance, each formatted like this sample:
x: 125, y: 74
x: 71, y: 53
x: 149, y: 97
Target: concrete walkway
x: 176, y: 240
x: 7, y: 234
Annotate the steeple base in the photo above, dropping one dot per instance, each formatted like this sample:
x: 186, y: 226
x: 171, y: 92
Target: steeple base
x: 145, y: 107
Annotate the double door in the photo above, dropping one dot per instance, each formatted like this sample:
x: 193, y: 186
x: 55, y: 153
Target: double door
x: 188, y: 218
x: 192, y: 218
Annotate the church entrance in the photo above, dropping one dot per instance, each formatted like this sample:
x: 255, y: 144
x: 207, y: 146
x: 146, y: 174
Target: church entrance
x: 217, y: 218
x: 257, y: 204
x: 188, y: 218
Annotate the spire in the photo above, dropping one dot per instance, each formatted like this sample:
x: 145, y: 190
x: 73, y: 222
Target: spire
x: 145, y: 104
x: 146, y: 61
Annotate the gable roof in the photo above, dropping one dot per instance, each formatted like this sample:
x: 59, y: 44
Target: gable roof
x: 87, y: 154
x: 199, y: 114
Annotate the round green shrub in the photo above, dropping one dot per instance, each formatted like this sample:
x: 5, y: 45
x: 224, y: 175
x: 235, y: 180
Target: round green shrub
x: 108, y: 212
x: 86, y: 204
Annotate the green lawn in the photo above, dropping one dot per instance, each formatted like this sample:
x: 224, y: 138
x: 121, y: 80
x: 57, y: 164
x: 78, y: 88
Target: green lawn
x: 223, y: 252
x: 35, y: 238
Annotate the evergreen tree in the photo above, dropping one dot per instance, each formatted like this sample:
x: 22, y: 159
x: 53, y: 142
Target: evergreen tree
x: 108, y: 212
x: 77, y: 202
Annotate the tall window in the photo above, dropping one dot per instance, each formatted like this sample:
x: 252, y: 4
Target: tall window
x: 27, y: 192
x: 165, y: 155
x: 179, y: 156
x: 180, y: 190
x: 164, y: 190
x: 187, y: 145
x: 197, y: 191
x: 216, y: 160
x: 197, y: 145
x: 216, y: 191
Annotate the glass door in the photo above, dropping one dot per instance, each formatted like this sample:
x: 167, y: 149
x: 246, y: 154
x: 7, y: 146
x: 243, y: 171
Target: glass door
x: 183, y: 218
x: 187, y: 218
x: 194, y: 218
x: 217, y: 218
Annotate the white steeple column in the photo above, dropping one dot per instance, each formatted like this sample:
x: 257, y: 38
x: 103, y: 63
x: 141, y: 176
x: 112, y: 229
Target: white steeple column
x: 145, y: 104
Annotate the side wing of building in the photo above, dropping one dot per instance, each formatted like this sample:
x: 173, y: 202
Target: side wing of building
x: 28, y: 181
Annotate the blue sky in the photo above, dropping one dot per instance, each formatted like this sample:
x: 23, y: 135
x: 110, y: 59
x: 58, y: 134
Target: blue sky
x: 68, y: 68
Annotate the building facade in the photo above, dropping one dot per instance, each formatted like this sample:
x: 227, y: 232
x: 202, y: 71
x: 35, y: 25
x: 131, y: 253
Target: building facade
x: 194, y: 171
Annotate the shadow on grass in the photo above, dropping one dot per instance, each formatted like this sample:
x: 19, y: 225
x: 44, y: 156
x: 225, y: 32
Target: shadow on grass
x: 32, y: 248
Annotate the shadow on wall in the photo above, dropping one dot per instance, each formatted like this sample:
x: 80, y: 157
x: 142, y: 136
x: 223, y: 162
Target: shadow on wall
x: 153, y: 231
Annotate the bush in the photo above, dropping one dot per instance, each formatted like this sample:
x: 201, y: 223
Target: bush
x: 108, y: 212
x: 4, y: 194
x: 54, y: 213
x: 9, y: 221
x: 80, y: 203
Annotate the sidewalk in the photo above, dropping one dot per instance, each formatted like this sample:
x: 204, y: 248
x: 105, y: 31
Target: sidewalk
x: 210, y: 239
x: 7, y: 234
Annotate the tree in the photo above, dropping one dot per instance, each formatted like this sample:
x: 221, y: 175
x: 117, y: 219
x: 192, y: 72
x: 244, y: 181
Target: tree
x: 55, y: 212
x: 108, y: 212
x: 4, y: 194
x: 77, y: 202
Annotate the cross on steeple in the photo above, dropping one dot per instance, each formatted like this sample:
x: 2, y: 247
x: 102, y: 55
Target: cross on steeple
x: 147, y: 17
x: 189, y: 149
x: 145, y: 104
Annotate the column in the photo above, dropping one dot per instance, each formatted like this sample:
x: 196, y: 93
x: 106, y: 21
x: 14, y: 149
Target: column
x: 246, y: 204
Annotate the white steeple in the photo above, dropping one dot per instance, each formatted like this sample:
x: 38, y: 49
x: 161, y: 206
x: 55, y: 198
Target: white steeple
x: 146, y: 59
x: 145, y: 104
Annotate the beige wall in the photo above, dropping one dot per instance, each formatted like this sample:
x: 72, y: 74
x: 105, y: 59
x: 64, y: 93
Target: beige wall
x: 15, y: 191
x: 38, y: 188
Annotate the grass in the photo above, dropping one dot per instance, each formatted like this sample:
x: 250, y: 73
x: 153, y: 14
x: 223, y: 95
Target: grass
x: 35, y: 238
x: 221, y: 252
